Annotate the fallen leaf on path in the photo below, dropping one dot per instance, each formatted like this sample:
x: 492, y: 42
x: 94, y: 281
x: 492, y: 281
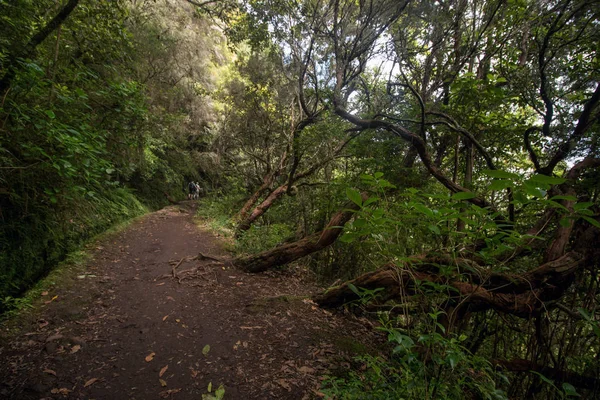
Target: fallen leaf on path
x: 160, y: 284
x: 149, y: 357
x: 52, y: 338
x: 170, y: 298
x: 165, y: 317
x: 75, y: 348
x: 166, y: 393
x: 44, y: 293
x: 49, y: 371
x: 177, y: 320
x: 284, y: 384
x: 42, y: 323
x: 162, y: 383
x: 163, y: 370
x: 51, y: 300
x: 251, y: 327
x: 63, y: 391
x: 206, y: 349
x: 90, y: 382
x: 306, y: 370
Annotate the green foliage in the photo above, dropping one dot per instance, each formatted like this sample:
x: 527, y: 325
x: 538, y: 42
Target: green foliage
x: 86, y: 135
x: 219, y: 393
x: 264, y: 237
x: 430, y: 366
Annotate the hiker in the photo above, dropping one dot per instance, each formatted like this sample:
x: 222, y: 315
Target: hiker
x: 197, y: 190
x: 192, y: 190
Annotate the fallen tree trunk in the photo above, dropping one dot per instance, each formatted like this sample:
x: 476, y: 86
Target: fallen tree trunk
x: 292, y: 251
x: 520, y: 295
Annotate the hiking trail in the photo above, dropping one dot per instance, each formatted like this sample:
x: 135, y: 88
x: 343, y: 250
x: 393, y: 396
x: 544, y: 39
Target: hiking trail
x: 154, y: 315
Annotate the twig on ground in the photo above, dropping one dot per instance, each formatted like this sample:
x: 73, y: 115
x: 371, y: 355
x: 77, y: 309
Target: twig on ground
x: 175, y: 267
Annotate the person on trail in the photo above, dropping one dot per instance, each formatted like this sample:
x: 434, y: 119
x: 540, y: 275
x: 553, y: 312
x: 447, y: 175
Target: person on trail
x: 197, y: 190
x: 192, y: 190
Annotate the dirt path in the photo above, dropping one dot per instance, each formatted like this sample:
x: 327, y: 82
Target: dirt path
x: 127, y: 328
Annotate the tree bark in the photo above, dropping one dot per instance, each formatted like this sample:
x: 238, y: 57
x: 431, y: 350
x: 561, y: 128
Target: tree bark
x: 267, y: 181
x: 292, y: 251
x: 29, y: 49
x: 262, y: 208
x: 520, y: 295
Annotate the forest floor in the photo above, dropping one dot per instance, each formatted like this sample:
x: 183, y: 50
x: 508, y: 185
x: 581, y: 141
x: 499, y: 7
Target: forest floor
x: 133, y: 322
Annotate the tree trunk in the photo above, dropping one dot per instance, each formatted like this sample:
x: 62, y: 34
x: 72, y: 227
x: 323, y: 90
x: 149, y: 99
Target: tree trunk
x: 267, y: 181
x: 262, y: 208
x: 469, y: 155
x: 520, y: 295
x: 292, y: 251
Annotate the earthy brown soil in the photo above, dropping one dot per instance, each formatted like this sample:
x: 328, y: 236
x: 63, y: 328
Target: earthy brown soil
x: 132, y: 326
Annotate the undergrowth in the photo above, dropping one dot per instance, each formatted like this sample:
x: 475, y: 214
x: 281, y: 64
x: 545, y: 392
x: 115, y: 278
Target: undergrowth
x: 216, y: 212
x: 31, y: 247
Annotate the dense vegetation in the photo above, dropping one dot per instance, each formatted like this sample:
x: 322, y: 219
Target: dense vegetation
x: 99, y: 117
x: 442, y: 155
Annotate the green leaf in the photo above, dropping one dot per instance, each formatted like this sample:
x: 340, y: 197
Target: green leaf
x: 220, y: 392
x: 349, y: 237
x: 354, y: 289
x: 534, y: 191
x: 542, y: 377
x: 206, y: 349
x: 370, y: 200
x: 434, y: 229
x: 463, y: 196
x: 423, y: 209
x: 378, y: 175
x: 548, y: 180
x: 591, y: 221
x: 497, y: 173
x: 582, y: 206
x: 500, y: 184
x: 50, y: 114
x: 209, y: 389
x: 453, y: 359
x: 570, y: 390
x: 568, y: 198
x: 565, y: 222
x: 354, y: 196
x: 359, y: 223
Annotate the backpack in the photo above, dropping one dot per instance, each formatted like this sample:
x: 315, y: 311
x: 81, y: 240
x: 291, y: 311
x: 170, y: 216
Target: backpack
x: 191, y: 186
